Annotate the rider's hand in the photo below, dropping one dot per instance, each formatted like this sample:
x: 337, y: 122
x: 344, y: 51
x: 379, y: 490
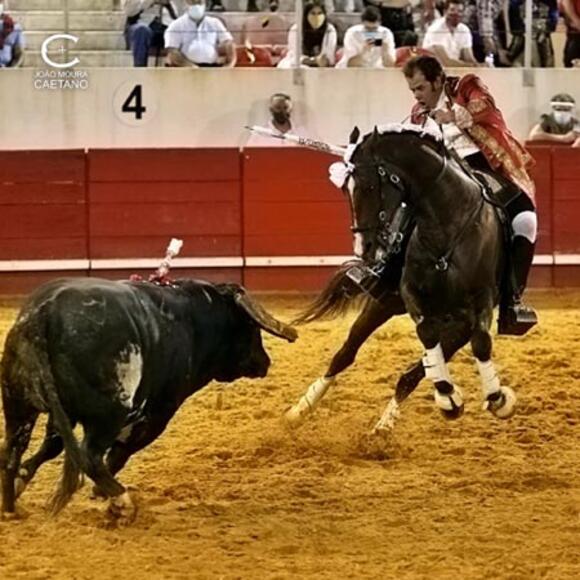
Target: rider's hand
x: 441, y: 116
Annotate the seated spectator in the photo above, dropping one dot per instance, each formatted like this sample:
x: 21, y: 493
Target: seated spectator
x: 318, y: 39
x: 559, y: 126
x: 397, y: 15
x: 449, y: 39
x: 368, y: 45
x: 544, y: 21
x: 146, y: 22
x: 571, y: 11
x: 483, y: 18
x: 196, y: 40
x: 280, y: 122
x: 11, y: 41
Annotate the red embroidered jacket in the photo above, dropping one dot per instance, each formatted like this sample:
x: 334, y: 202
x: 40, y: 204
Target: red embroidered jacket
x: 488, y: 131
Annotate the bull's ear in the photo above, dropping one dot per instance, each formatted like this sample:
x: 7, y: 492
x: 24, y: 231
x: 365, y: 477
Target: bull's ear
x: 264, y: 319
x: 354, y: 135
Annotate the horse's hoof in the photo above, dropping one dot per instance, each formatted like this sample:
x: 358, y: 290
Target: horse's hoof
x: 454, y: 413
x: 295, y: 415
x: 122, y: 510
x: 503, y: 404
x: 451, y: 406
x: 96, y: 493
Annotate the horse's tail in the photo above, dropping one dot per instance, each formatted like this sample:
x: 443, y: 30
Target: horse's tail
x: 339, y: 294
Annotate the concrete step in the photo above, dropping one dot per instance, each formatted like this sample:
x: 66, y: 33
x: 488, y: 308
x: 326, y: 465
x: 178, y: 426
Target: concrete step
x: 30, y: 5
x: 88, y: 40
x: 88, y: 59
x: 53, y: 20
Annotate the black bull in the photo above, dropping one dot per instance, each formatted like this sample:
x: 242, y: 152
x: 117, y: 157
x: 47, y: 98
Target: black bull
x: 119, y: 358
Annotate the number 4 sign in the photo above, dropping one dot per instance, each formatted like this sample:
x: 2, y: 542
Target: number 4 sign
x: 135, y: 103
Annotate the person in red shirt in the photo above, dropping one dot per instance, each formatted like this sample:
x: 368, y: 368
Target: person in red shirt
x: 571, y: 11
x: 475, y: 129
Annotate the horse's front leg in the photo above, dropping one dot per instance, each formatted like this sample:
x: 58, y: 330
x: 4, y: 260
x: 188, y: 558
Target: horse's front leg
x: 373, y: 315
x: 499, y: 400
x: 448, y: 397
x: 451, y: 342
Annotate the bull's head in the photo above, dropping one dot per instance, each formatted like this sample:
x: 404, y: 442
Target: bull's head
x: 249, y: 359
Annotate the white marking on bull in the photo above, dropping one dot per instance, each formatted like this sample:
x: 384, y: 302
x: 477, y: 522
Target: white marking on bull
x: 129, y: 372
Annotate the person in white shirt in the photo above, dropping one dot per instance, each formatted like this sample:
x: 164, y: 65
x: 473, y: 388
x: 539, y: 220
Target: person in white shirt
x: 449, y: 39
x: 319, y: 39
x: 196, y: 40
x: 146, y: 22
x: 368, y: 44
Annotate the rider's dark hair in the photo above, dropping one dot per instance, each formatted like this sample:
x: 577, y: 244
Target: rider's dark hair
x: 370, y: 14
x: 428, y: 65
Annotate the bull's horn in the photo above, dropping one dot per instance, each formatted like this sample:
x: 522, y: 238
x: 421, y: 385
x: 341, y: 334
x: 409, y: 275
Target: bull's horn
x: 264, y: 319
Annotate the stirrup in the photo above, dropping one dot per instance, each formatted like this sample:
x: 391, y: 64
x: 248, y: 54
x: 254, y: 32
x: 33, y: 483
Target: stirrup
x: 516, y: 319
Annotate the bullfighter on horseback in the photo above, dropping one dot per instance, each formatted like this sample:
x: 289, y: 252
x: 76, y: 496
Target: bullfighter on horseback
x: 475, y: 129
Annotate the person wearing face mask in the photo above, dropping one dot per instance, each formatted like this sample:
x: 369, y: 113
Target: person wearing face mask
x: 11, y: 41
x: 368, y: 44
x: 319, y: 39
x: 197, y: 40
x: 280, y: 123
x: 560, y: 125
x: 449, y: 39
x: 146, y: 22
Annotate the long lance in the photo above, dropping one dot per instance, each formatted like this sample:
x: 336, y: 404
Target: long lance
x: 298, y: 140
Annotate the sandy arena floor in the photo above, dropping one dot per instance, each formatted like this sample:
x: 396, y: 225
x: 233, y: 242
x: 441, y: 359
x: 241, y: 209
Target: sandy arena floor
x: 226, y: 492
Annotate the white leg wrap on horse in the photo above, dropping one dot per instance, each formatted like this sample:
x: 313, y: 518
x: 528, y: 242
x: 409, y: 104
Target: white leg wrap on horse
x: 525, y: 224
x: 489, y: 379
x: 434, y: 365
x: 310, y: 399
x: 388, y: 418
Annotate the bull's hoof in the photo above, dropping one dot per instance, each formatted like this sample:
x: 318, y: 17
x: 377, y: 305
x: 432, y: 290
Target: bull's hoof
x: 19, y: 486
x: 9, y: 516
x: 502, y: 404
x: 122, y: 510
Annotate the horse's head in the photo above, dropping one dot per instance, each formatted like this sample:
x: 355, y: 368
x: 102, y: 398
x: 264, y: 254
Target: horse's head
x: 377, y: 193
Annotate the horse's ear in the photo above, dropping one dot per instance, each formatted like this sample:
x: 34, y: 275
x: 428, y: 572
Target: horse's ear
x: 375, y: 133
x: 354, y: 135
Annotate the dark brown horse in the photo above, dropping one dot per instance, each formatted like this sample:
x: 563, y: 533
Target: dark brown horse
x: 451, y: 269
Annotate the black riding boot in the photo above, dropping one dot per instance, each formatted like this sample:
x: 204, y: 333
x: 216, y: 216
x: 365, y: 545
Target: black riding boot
x: 514, y: 316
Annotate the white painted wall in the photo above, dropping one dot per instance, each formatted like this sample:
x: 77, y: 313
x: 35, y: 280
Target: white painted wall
x: 209, y: 108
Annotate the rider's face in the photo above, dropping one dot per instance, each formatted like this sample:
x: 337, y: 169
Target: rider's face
x: 426, y: 94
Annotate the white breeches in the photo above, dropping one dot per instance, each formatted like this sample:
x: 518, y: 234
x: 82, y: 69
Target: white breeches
x: 525, y: 224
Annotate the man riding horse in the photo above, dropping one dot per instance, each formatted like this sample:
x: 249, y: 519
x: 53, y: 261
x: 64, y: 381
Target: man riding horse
x: 475, y: 130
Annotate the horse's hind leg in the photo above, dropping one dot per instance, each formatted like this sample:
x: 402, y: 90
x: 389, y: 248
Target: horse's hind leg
x: 409, y: 380
x: 19, y: 420
x: 448, y: 397
x: 51, y: 447
x: 373, y: 315
x: 497, y: 399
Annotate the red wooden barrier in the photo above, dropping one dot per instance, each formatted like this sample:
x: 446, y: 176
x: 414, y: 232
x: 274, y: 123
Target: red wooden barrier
x: 140, y: 198
x: 42, y: 216
x: 566, y: 215
x: 291, y: 209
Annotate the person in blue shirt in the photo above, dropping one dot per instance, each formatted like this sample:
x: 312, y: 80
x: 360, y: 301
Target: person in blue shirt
x: 11, y: 41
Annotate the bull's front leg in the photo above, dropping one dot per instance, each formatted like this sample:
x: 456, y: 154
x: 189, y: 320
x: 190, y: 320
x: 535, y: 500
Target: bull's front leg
x: 373, y: 316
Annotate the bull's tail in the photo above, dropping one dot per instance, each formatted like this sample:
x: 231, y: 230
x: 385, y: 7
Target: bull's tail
x: 339, y: 294
x: 74, y: 460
